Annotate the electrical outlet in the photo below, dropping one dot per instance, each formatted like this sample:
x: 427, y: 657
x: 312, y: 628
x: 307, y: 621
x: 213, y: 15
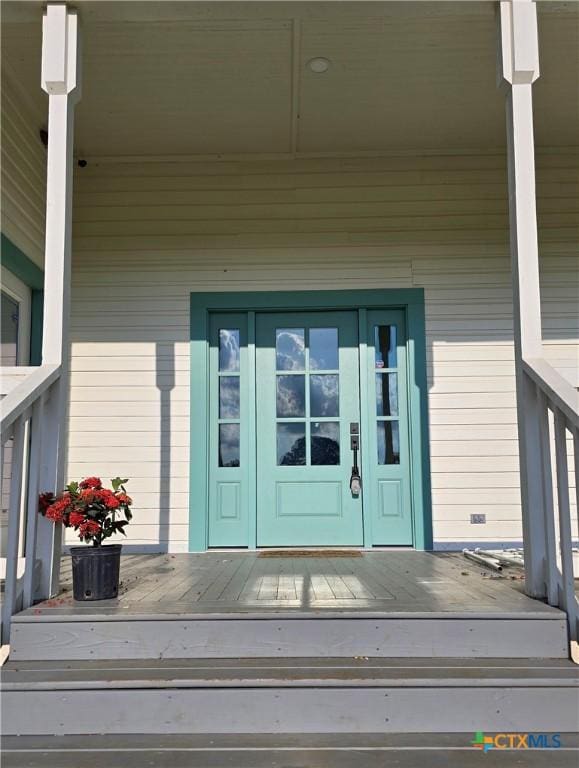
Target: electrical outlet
x: 478, y: 519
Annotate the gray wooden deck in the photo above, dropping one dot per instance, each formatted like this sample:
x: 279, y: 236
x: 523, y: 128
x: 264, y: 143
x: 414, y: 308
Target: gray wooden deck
x: 244, y: 582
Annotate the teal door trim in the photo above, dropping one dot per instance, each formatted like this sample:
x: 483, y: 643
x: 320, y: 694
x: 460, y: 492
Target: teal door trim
x: 411, y: 300
x: 199, y: 430
x: 252, y: 417
x: 364, y: 410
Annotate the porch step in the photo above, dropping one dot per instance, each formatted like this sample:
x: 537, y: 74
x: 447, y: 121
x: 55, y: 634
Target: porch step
x: 88, y: 634
x: 291, y: 696
x: 338, y: 750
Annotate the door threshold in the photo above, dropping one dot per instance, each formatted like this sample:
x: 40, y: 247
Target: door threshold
x: 289, y: 550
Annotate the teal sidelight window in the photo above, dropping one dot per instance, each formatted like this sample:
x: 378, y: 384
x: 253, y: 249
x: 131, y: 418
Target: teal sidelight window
x: 229, y: 431
x: 389, y: 497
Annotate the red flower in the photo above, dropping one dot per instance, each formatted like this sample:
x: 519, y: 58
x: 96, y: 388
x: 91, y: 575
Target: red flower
x: 88, y: 495
x: 55, y: 513
x: 88, y: 528
x: 111, y: 502
x: 124, y: 499
x: 91, y: 482
x: 57, y: 510
x: 75, y: 518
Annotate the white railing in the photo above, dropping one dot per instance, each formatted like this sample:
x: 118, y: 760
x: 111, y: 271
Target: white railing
x: 28, y: 411
x: 559, y: 424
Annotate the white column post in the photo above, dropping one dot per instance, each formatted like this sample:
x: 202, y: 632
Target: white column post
x: 520, y: 68
x: 61, y: 80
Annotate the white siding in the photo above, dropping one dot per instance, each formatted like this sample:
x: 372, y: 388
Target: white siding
x: 23, y: 173
x: 147, y: 234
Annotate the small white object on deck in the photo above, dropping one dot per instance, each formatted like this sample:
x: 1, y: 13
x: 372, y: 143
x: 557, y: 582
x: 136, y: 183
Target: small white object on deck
x: 485, y: 560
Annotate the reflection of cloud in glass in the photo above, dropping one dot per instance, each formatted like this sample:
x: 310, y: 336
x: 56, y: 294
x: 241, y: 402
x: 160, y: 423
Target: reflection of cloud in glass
x: 387, y: 394
x: 324, y: 349
x: 229, y: 349
x: 229, y: 445
x: 290, y: 349
x: 388, y: 442
x: 291, y: 444
x: 229, y: 397
x: 324, y: 395
x: 291, y: 396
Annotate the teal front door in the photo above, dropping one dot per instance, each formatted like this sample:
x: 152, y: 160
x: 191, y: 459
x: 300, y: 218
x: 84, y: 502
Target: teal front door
x: 307, y: 397
x: 287, y: 392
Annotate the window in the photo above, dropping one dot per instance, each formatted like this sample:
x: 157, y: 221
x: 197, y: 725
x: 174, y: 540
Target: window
x: 386, y: 362
x: 307, y: 396
x: 10, y: 319
x: 229, y: 397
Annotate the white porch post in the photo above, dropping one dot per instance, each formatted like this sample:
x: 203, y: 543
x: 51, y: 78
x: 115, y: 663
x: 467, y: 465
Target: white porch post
x: 60, y: 79
x: 520, y: 68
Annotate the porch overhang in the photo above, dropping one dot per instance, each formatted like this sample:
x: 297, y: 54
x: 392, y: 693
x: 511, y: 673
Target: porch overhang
x: 206, y: 79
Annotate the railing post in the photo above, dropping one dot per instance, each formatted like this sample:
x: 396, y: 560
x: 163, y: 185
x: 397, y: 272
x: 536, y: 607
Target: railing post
x: 16, y: 483
x: 576, y: 467
x: 60, y: 79
x: 567, y: 598
x: 520, y: 68
x: 36, y: 425
x: 551, y: 572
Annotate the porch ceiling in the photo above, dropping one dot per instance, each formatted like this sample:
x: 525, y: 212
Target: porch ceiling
x: 232, y: 78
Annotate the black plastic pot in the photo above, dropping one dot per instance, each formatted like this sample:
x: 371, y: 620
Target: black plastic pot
x: 95, y: 572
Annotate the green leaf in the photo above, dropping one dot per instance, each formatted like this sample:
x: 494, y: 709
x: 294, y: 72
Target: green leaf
x: 128, y: 514
x: 72, y: 487
x: 117, y: 483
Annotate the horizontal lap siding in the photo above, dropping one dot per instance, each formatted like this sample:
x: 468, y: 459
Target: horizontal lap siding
x: 147, y: 234
x: 22, y: 202
x: 23, y: 174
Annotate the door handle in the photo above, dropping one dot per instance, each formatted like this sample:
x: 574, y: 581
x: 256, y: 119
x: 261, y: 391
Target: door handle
x: 355, y: 479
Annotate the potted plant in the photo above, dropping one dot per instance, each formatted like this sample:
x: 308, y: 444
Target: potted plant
x: 95, y: 513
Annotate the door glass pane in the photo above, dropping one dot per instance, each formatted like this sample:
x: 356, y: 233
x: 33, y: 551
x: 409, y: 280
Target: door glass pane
x: 325, y: 442
x: 229, y: 349
x: 229, y: 445
x: 324, y: 349
x: 388, y: 442
x: 291, y: 444
x: 291, y: 396
x: 324, y: 395
x: 229, y: 397
x: 290, y: 349
x: 9, y: 330
x: 385, y: 346
x: 387, y: 394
